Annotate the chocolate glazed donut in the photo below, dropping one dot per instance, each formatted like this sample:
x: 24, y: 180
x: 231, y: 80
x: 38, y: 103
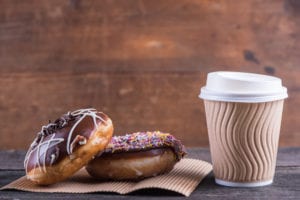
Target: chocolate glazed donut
x: 63, y: 147
x: 137, y: 156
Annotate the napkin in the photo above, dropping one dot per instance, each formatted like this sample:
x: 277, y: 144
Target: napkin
x: 183, y: 179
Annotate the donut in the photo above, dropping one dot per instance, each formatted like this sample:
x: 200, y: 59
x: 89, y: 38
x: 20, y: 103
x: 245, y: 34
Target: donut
x: 137, y: 156
x: 63, y: 147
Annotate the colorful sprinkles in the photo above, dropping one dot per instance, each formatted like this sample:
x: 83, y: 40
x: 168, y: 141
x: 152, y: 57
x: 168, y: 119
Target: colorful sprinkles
x: 145, y: 141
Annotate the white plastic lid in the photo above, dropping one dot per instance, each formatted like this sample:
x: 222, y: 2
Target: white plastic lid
x: 242, y: 87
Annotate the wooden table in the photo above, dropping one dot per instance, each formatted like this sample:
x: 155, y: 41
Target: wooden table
x: 286, y: 183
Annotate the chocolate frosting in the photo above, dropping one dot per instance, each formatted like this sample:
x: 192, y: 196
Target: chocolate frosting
x: 60, y: 138
x: 144, y: 141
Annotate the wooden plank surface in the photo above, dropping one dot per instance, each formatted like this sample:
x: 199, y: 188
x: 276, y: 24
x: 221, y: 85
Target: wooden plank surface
x: 142, y: 62
x: 285, y: 186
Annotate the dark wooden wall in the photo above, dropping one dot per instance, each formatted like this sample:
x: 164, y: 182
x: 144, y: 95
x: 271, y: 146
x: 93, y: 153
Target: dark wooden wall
x: 142, y: 62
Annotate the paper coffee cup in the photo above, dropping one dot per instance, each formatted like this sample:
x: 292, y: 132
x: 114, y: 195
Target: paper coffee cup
x: 243, y: 114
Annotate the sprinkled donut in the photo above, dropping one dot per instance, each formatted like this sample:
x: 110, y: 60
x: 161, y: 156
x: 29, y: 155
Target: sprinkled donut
x: 63, y: 147
x: 137, y: 156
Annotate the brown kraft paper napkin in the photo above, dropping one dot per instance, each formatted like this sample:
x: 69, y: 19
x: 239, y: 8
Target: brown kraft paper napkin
x: 183, y: 179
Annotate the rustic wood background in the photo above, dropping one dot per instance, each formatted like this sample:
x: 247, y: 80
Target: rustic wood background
x: 142, y: 62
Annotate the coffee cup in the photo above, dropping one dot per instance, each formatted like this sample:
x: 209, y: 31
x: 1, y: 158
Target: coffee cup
x: 243, y: 115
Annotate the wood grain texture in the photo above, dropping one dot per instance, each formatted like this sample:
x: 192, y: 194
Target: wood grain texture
x: 142, y: 62
x: 285, y: 186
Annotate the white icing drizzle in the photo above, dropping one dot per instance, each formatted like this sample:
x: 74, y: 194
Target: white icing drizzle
x: 53, y: 157
x: 79, y: 139
x: 82, y: 142
x: 36, y: 146
x: 45, y: 154
x: 50, y: 143
x: 84, y: 112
